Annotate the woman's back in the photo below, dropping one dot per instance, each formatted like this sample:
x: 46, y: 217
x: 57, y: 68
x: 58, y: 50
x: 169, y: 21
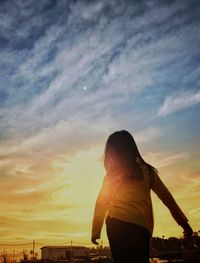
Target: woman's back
x: 131, y: 199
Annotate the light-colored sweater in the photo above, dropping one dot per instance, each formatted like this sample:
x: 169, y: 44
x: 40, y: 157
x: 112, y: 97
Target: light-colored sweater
x: 130, y: 201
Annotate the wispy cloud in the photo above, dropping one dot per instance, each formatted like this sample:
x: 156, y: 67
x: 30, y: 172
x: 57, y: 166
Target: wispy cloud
x: 71, y: 73
x: 148, y: 134
x: 162, y: 159
x: 179, y: 102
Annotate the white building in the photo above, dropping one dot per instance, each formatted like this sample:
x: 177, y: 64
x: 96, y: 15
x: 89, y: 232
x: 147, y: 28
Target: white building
x: 63, y: 252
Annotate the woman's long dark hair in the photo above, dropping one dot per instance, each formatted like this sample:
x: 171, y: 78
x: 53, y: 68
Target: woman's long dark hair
x: 122, y: 156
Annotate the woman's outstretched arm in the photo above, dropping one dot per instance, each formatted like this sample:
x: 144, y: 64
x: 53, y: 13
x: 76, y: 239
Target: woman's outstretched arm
x: 163, y: 193
x: 100, y: 209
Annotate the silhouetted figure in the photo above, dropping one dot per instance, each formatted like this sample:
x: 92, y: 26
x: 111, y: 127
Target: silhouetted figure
x: 125, y: 201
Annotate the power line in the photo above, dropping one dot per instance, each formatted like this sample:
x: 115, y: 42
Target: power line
x: 12, y: 245
x: 44, y: 244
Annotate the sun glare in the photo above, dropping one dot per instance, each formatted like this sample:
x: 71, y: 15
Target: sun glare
x: 82, y: 176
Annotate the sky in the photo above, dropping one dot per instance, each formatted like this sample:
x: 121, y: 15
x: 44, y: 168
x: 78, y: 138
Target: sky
x: 73, y: 72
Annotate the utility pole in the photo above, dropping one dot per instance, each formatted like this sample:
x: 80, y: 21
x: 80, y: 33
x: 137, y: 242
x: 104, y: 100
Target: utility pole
x: 33, y: 249
x: 71, y: 250
x: 13, y: 256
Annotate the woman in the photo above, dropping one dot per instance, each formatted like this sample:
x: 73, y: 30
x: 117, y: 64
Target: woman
x: 125, y: 201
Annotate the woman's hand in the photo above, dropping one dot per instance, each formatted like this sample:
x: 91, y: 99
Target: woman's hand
x: 94, y: 240
x: 187, y: 230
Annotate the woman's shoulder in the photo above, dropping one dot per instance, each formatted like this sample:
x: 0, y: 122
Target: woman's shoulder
x: 143, y: 166
x: 148, y: 172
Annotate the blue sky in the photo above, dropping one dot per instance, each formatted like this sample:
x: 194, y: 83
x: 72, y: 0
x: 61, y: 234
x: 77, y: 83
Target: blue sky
x: 134, y: 59
x: 72, y: 72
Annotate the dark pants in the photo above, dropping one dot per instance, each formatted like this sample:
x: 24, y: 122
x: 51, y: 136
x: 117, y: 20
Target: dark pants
x: 129, y: 243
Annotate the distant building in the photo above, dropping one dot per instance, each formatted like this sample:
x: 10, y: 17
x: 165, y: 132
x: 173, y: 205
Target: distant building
x: 63, y: 252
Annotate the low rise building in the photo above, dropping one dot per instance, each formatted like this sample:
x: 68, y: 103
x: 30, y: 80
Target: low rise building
x: 63, y: 252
